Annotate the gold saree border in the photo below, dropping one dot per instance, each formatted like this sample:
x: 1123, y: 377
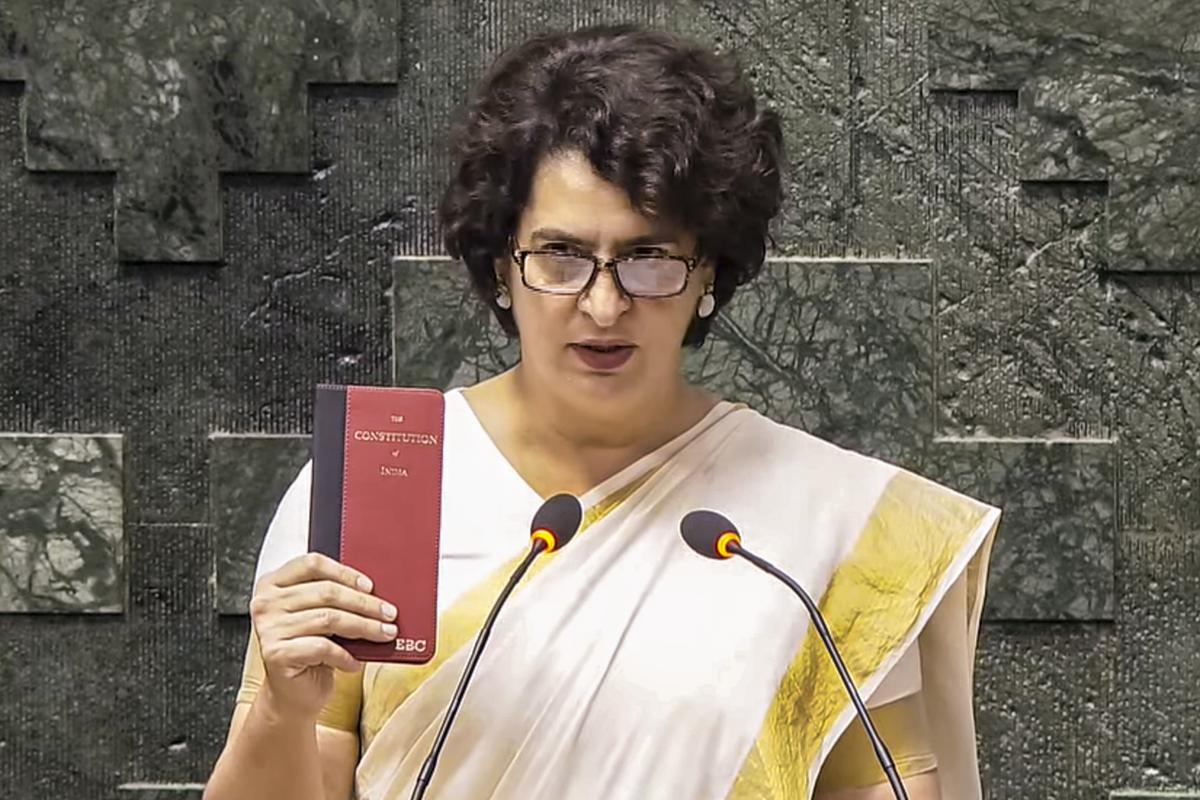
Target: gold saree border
x: 387, y: 686
x: 875, y: 598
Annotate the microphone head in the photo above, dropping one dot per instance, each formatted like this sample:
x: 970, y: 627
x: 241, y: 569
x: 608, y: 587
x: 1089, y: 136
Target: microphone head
x: 708, y: 533
x: 556, y: 521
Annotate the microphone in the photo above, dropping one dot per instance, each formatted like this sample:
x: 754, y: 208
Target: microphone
x: 553, y: 526
x: 713, y: 536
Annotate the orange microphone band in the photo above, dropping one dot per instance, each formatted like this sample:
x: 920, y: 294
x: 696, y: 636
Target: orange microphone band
x: 547, y: 538
x: 724, y: 541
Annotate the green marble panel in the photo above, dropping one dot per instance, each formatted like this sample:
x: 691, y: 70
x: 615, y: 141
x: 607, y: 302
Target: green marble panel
x: 1053, y: 558
x: 62, y: 541
x: 841, y: 350
x: 248, y: 475
x: 1114, y: 100
x: 853, y: 101
x: 443, y: 336
x: 170, y: 94
x: 1033, y: 342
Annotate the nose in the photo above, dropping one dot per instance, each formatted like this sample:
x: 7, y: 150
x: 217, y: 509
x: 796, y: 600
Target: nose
x: 604, y: 301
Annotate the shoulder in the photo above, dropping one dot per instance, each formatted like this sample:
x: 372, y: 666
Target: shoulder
x: 772, y: 451
x: 771, y: 472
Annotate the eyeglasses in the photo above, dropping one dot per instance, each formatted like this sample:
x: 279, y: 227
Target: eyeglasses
x: 569, y: 272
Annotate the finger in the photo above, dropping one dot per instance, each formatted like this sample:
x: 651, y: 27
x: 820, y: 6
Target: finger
x: 333, y: 622
x: 316, y: 566
x: 328, y: 594
x: 296, y: 655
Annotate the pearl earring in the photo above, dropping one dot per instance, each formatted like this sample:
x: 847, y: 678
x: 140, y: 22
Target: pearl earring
x: 503, y: 298
x: 708, y: 304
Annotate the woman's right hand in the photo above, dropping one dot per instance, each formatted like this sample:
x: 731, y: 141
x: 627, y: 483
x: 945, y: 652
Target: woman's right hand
x: 295, y: 609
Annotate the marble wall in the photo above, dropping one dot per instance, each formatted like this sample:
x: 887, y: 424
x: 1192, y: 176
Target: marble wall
x: 986, y: 271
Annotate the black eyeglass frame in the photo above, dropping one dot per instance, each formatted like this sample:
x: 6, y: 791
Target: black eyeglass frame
x: 598, y: 264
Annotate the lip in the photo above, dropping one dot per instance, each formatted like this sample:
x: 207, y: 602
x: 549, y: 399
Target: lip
x: 604, y: 343
x: 597, y: 361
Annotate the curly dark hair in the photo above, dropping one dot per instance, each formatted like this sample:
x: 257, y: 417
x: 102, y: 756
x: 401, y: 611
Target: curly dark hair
x: 668, y: 120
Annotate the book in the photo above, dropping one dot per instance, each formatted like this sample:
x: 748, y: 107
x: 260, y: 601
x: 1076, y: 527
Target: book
x: 376, y: 503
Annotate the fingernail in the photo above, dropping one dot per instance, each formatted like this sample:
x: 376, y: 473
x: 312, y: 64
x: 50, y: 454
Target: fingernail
x: 388, y: 629
x: 388, y: 610
x: 364, y: 583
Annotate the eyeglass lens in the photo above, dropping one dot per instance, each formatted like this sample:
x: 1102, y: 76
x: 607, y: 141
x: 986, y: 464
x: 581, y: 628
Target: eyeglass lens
x: 643, y: 277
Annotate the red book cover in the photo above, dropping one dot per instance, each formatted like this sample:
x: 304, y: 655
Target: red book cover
x: 377, y: 500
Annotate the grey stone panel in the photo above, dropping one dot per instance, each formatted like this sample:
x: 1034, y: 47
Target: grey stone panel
x: 248, y: 475
x: 168, y: 356
x: 1159, y: 589
x: 1140, y: 794
x: 1112, y: 101
x: 63, y: 725
x: 1045, y: 710
x: 62, y: 537
x: 167, y: 693
x: 56, y: 236
x: 175, y: 93
x: 1053, y: 557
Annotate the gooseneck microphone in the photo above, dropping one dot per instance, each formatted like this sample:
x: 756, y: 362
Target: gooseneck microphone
x: 553, y: 526
x: 713, y: 536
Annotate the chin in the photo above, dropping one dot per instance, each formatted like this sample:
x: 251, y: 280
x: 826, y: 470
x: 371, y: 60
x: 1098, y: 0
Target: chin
x: 628, y: 382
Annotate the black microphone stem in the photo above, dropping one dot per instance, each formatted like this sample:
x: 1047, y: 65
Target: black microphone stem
x: 881, y: 751
x: 430, y: 764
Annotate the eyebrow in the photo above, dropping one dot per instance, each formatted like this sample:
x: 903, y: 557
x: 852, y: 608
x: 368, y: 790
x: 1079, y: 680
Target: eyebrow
x: 556, y: 235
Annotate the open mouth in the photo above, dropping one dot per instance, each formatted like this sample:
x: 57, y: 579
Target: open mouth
x: 604, y: 357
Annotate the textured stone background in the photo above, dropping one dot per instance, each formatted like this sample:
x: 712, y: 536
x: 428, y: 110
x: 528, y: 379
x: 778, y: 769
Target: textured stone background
x: 987, y: 271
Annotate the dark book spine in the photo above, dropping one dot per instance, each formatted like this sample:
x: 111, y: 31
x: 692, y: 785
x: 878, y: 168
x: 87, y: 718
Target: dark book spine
x: 329, y: 471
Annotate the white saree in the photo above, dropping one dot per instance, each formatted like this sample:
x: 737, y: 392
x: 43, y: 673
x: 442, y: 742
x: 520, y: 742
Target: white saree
x: 626, y: 666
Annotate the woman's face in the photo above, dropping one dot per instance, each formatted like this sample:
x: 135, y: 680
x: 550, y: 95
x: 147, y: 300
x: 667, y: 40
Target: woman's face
x: 572, y: 208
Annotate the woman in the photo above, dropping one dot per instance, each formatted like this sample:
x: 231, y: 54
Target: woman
x: 614, y: 188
